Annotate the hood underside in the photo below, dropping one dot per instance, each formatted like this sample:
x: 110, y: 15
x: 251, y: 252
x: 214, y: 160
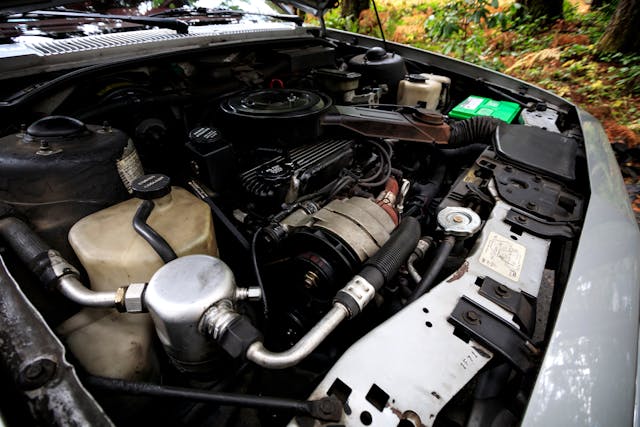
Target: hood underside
x: 315, y: 7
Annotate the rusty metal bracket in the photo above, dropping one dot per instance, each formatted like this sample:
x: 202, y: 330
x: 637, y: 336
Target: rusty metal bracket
x: 522, y: 307
x: 474, y: 321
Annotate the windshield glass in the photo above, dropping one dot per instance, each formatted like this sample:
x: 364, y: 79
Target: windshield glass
x: 150, y: 7
x: 72, y: 19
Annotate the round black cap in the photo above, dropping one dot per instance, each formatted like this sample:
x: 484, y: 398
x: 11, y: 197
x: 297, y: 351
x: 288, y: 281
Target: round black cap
x: 152, y: 186
x: 375, y: 53
x: 205, y: 135
x: 56, y: 127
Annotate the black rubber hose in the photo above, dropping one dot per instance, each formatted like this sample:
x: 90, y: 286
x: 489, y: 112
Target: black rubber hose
x: 152, y: 237
x: 22, y: 239
x: 475, y: 129
x: 31, y: 249
x: 429, y: 277
x: 466, y: 151
x: 256, y: 271
x: 423, y: 194
x: 384, y: 264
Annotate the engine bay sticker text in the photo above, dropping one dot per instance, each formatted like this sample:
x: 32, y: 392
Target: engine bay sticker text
x: 503, y: 255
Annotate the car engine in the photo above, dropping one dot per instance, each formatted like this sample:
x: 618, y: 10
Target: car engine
x: 307, y: 220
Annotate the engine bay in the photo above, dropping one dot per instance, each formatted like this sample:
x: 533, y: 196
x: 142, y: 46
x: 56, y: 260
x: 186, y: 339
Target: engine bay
x: 307, y: 219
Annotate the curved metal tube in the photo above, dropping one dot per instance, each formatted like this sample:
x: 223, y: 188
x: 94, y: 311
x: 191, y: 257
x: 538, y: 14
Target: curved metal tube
x: 259, y: 355
x: 413, y: 272
x: 72, y: 288
x: 419, y: 252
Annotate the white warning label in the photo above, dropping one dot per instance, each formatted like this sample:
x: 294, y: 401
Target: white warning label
x: 471, y: 103
x: 503, y: 256
x: 129, y: 166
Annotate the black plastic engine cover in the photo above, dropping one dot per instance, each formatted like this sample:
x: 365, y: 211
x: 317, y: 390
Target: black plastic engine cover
x: 313, y: 166
x: 538, y: 150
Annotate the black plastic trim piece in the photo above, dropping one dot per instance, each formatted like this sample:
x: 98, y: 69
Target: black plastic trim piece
x: 524, y: 310
x: 494, y: 332
x: 539, y: 227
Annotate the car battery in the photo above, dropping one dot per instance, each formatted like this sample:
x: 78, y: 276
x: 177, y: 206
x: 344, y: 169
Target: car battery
x: 480, y: 106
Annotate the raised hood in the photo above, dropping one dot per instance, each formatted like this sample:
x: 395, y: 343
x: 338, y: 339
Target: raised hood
x: 10, y: 7
x: 316, y: 7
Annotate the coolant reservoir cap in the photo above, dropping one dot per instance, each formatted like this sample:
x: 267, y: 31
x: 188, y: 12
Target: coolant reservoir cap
x: 152, y: 186
x: 416, y: 78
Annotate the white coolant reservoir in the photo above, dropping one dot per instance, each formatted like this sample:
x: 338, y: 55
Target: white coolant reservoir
x: 428, y: 89
x: 118, y: 345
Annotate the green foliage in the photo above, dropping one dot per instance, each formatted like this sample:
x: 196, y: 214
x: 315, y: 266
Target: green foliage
x: 458, y: 24
x: 625, y: 70
x: 333, y: 19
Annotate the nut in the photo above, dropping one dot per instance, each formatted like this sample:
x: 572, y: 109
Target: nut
x: 133, y: 298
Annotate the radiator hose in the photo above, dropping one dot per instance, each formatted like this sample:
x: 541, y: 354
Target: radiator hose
x: 381, y: 267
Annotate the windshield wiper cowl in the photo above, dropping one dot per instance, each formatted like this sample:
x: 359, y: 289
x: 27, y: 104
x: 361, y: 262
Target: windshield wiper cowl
x: 178, y: 25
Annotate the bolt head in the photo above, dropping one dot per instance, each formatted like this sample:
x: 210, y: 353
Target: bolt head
x: 472, y: 317
x: 502, y: 291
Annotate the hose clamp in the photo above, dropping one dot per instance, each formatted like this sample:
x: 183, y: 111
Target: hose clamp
x: 356, y: 295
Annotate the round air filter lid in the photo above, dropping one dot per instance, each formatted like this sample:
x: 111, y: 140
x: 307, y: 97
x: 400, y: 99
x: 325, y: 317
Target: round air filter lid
x: 276, y: 103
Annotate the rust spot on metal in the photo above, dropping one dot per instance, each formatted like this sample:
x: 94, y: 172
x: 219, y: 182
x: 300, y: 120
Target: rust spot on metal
x: 396, y: 411
x: 459, y: 273
x: 407, y: 415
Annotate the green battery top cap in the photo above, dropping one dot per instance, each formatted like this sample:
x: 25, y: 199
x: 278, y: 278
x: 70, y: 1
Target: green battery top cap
x: 480, y: 106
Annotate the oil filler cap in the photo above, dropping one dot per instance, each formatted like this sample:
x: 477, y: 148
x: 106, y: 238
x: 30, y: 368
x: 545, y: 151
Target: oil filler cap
x: 152, y: 186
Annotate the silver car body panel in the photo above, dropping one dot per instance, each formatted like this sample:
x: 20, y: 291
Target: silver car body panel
x: 588, y: 375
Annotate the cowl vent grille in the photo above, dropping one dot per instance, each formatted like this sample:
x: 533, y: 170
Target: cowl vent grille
x: 105, y: 41
x: 102, y: 41
x: 33, y: 57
